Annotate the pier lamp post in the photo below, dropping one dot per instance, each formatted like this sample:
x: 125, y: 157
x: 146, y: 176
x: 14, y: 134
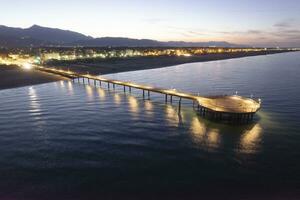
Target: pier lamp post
x: 259, y: 101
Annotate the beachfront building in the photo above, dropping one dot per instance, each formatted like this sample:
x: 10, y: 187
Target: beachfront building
x: 50, y: 56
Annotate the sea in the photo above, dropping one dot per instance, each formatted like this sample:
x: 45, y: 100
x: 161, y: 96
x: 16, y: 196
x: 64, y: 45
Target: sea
x: 69, y: 140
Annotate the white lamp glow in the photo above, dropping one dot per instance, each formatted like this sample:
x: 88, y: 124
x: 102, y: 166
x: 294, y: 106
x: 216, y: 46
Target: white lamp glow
x: 27, y: 66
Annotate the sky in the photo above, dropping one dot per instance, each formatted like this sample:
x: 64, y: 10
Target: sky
x: 253, y: 22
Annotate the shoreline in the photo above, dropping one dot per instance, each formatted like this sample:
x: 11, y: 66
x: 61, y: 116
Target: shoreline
x: 14, y: 76
x: 111, y: 66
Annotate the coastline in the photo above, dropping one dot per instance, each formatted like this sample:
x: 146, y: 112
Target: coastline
x: 13, y: 76
x: 110, y: 66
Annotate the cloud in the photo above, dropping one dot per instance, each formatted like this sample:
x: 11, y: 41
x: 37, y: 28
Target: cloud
x: 252, y: 32
x: 285, y: 23
x: 154, y: 20
x: 285, y: 33
x: 287, y: 36
x: 189, y: 32
x: 282, y: 25
x: 255, y: 32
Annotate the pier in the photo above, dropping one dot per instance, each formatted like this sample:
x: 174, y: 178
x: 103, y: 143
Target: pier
x: 232, y: 108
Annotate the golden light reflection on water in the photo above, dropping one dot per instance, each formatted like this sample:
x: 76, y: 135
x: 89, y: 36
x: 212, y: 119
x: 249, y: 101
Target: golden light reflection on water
x: 149, y: 108
x: 133, y: 106
x: 171, y: 115
x: 35, y: 107
x: 117, y: 99
x: 70, y: 87
x: 101, y: 93
x: 62, y: 84
x: 197, y: 128
x: 250, y: 140
x: 213, y: 138
x: 148, y: 105
x: 89, y: 91
x: 208, y: 138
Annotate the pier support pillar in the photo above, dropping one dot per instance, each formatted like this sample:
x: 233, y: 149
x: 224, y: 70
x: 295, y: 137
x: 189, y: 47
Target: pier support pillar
x: 130, y: 89
x: 143, y: 94
x: 171, y: 99
x: 124, y: 88
x: 148, y: 94
x: 166, y: 98
x: 179, y: 105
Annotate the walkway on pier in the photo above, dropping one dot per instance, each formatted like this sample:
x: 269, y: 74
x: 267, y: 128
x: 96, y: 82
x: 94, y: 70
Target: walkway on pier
x: 207, y: 105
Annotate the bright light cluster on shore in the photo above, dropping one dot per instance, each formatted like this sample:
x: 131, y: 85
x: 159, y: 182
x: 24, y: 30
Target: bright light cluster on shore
x: 20, y: 56
x: 27, y: 66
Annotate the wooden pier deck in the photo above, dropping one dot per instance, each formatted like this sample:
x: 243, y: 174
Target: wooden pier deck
x: 232, y: 108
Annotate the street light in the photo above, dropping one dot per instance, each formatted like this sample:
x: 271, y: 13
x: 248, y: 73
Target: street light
x: 27, y: 66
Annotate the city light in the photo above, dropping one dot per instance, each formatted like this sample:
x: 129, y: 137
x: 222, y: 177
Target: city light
x: 48, y: 55
x: 27, y: 66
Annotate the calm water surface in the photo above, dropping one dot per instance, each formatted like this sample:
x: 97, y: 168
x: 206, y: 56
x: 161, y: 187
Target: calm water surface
x: 66, y: 139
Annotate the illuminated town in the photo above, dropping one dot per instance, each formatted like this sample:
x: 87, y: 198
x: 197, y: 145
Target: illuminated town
x: 44, y: 55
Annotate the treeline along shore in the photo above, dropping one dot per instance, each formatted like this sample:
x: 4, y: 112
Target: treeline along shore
x: 14, y: 76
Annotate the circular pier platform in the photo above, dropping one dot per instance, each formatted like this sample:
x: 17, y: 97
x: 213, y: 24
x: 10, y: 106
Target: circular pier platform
x: 228, y: 108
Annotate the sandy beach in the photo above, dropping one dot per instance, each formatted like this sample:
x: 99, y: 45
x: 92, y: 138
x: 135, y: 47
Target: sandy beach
x: 13, y: 76
x: 115, y: 65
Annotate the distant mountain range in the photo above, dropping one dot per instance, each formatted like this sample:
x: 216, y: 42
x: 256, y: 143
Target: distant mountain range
x: 38, y: 36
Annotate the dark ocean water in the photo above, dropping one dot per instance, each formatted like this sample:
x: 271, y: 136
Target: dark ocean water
x: 67, y: 140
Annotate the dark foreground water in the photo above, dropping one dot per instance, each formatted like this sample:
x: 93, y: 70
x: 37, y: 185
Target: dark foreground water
x: 67, y: 140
